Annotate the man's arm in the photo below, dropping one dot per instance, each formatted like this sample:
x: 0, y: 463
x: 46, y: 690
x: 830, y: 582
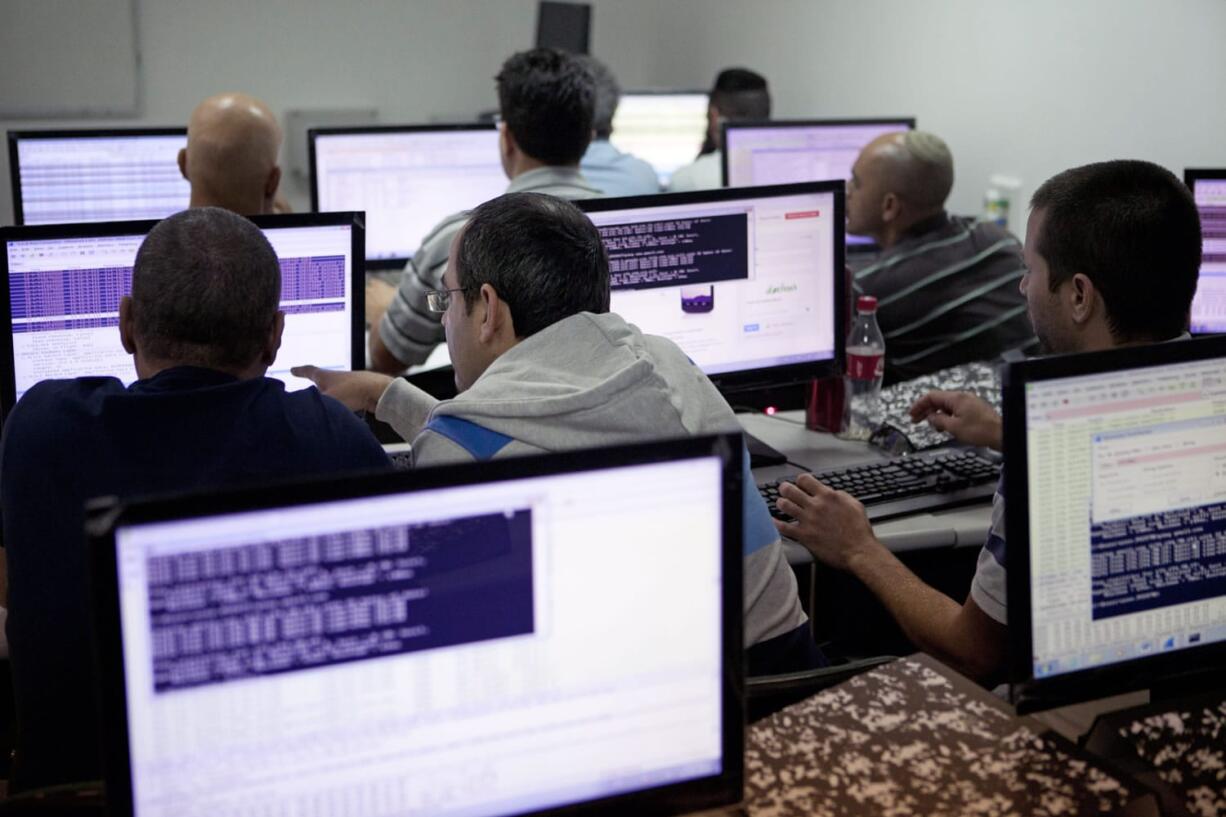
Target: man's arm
x: 968, y: 418
x: 835, y: 529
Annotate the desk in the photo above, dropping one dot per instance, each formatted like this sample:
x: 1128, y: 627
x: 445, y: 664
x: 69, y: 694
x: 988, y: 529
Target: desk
x: 785, y: 431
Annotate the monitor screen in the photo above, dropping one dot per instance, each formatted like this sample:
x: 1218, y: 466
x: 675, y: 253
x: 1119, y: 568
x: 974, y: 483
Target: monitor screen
x: 76, y: 176
x: 64, y: 286
x: 1125, y: 512
x: 786, y: 152
x: 407, y: 179
x: 664, y: 129
x: 1209, y: 305
x: 489, y: 647
x: 746, y: 282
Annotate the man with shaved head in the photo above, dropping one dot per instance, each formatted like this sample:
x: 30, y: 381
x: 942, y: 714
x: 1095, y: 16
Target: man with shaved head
x: 946, y: 286
x: 231, y: 156
x: 203, y: 325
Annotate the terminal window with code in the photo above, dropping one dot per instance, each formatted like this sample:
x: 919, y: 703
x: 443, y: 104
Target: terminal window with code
x: 101, y: 178
x: 1209, y: 305
x: 64, y: 300
x: 738, y: 285
x: 442, y: 652
x: 1127, y: 491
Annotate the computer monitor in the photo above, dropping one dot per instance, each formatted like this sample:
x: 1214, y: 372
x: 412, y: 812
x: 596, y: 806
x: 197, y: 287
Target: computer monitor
x: 68, y: 176
x: 747, y: 281
x: 1115, y: 483
x: 1209, y: 306
x: 511, y: 637
x: 63, y: 283
x: 566, y: 26
x: 407, y: 178
x: 783, y: 152
x: 666, y: 129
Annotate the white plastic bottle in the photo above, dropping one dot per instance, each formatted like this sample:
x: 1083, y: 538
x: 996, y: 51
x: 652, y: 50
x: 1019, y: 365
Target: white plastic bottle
x: 864, y: 373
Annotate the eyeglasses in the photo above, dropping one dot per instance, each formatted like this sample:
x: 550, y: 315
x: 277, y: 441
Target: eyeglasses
x: 437, y: 300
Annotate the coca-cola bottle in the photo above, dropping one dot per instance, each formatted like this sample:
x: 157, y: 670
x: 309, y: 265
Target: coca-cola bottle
x: 865, y: 370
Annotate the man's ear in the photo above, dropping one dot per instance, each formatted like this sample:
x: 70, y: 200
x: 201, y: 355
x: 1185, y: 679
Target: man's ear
x: 891, y: 207
x: 507, y: 146
x: 127, y: 325
x: 272, y: 182
x: 269, y: 355
x: 1082, y: 298
x: 183, y: 164
x: 496, y: 321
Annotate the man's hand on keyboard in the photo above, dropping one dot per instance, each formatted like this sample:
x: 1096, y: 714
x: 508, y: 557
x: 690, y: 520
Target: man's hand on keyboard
x: 831, y: 524
x: 968, y: 418
x: 359, y: 391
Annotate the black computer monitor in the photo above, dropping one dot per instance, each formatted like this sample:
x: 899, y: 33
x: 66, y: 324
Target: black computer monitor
x: 407, y: 178
x: 565, y: 26
x: 787, y: 151
x: 1115, y: 484
x: 63, y: 282
x: 748, y: 282
x: 666, y: 129
x: 1209, y: 306
x: 525, y: 636
x: 120, y: 174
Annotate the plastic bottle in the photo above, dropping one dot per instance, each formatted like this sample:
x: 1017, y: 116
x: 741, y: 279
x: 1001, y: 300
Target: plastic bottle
x: 865, y: 370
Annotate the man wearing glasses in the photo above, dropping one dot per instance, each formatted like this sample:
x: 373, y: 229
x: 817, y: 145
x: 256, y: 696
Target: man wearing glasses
x: 546, y: 99
x: 542, y: 365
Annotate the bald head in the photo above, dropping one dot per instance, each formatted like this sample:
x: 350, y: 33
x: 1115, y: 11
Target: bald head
x: 231, y: 157
x: 898, y: 180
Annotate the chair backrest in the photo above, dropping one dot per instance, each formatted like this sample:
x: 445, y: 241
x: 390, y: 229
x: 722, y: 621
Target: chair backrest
x: 768, y: 694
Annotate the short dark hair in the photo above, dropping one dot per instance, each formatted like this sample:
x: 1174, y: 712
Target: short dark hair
x: 205, y: 289
x: 741, y: 94
x: 1133, y: 229
x: 608, y: 94
x: 547, y: 99
x: 542, y: 256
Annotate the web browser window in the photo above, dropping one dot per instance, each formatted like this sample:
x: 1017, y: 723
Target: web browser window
x: 738, y: 285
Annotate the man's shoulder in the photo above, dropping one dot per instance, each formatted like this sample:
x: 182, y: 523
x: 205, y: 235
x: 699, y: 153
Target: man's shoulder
x: 443, y: 233
x: 50, y: 397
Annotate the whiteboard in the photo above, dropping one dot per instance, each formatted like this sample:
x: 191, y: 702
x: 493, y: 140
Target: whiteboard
x: 63, y: 58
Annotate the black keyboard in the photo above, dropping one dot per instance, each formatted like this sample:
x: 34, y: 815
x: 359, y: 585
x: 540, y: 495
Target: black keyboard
x: 915, y: 483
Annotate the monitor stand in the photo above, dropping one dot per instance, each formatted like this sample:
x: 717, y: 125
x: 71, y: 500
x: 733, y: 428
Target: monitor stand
x: 761, y: 454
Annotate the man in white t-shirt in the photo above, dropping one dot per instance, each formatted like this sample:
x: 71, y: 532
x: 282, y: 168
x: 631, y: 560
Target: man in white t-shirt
x: 738, y: 95
x: 1113, y: 253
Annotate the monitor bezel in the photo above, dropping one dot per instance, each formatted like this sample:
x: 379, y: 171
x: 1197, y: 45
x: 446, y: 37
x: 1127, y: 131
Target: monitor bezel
x: 359, y: 130
x: 102, y: 229
x: 771, y: 376
x: 725, y: 127
x: 67, y: 133
x: 1028, y: 693
x: 105, y: 516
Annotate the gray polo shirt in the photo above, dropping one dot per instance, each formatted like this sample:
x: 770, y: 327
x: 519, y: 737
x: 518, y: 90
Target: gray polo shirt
x: 409, y: 330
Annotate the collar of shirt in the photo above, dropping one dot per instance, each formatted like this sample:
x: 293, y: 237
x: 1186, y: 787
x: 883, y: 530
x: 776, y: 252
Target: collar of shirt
x: 542, y: 178
x: 928, y: 225
x: 182, y: 378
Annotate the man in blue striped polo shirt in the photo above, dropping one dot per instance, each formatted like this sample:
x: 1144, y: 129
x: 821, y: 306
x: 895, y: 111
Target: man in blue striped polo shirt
x: 946, y: 286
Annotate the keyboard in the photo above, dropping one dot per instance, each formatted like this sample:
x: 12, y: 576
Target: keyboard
x: 910, y: 484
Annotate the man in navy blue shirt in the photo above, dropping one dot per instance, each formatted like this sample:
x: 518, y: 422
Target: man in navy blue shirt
x: 202, y: 325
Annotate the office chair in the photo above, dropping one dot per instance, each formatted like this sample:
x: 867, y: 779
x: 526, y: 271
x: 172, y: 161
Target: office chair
x: 768, y: 694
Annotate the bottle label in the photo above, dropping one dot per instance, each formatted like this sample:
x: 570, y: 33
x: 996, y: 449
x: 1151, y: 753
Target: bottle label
x: 865, y: 367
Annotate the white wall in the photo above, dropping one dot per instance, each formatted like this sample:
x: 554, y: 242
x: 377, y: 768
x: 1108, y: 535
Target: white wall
x: 413, y: 60
x: 1023, y: 87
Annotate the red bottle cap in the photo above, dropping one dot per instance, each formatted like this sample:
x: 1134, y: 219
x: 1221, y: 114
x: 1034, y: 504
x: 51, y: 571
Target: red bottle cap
x: 866, y: 303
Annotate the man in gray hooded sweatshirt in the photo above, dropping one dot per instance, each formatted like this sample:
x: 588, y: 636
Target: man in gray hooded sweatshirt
x: 542, y: 365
